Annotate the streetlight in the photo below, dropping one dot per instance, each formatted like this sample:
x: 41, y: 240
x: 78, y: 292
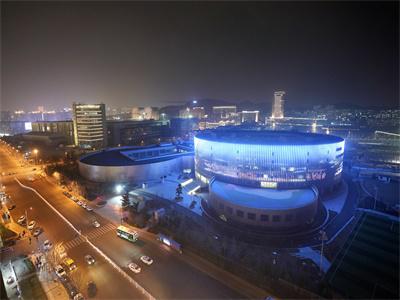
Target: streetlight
x: 35, y: 151
x: 119, y: 188
x: 26, y: 215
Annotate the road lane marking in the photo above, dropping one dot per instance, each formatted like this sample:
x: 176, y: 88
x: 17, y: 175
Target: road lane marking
x: 109, y: 260
x: 91, y: 235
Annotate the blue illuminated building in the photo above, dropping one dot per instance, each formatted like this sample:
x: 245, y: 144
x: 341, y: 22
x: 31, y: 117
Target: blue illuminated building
x: 269, y: 159
x: 269, y: 178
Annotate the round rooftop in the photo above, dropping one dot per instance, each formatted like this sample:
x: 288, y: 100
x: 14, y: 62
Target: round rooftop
x: 114, y: 157
x: 266, y: 137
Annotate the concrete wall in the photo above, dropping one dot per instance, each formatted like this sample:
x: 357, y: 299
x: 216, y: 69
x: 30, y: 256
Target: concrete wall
x: 135, y: 174
x: 299, y: 215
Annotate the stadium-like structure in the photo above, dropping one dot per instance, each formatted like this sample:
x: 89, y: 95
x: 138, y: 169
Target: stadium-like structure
x: 135, y: 164
x: 268, y: 178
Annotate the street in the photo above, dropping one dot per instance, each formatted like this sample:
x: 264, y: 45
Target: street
x: 170, y: 276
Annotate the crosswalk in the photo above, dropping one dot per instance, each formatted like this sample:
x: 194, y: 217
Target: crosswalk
x: 100, y: 231
x: 95, y: 233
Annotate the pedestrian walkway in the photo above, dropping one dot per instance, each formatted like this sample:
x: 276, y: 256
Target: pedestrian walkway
x: 336, y: 201
x: 100, y: 231
x: 91, y: 235
x: 74, y: 243
x: 315, y: 256
x: 52, y: 287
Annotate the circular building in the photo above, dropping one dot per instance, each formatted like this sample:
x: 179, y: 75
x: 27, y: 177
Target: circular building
x: 264, y: 207
x: 268, y: 178
x: 269, y: 159
x: 134, y: 164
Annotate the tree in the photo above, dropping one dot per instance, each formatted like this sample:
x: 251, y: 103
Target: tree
x: 125, y: 200
x: 178, y: 196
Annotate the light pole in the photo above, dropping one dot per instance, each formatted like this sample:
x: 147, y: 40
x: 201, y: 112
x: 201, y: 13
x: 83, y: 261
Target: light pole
x: 323, y: 237
x: 35, y: 151
x: 26, y: 215
x: 376, y: 196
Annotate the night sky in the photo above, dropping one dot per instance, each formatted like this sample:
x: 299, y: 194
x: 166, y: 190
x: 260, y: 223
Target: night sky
x: 132, y: 53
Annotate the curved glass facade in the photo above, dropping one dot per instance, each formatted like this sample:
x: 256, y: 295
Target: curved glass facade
x: 269, y: 166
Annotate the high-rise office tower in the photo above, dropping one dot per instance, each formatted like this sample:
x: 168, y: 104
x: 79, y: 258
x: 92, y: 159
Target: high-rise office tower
x: 89, y: 125
x: 277, y: 107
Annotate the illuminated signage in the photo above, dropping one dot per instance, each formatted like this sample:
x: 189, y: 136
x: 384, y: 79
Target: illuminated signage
x: 28, y: 125
x: 269, y: 184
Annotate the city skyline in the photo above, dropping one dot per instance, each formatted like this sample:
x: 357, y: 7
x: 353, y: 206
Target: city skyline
x: 133, y: 54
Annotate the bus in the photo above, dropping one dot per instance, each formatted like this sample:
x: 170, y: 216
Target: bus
x: 127, y: 233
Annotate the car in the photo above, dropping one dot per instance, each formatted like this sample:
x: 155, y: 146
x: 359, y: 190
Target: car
x: 22, y: 219
x: 70, y: 288
x: 79, y: 296
x: 96, y: 224
x: 88, y: 208
x: 69, y: 263
x: 47, y: 245
x: 36, y: 232
x: 89, y: 259
x: 134, y: 268
x: 73, y: 198
x: 31, y: 225
x: 60, y: 272
x: 147, y: 260
x: 79, y: 203
x: 11, y: 206
x: 84, y: 205
x: 10, y: 280
x: 91, y: 288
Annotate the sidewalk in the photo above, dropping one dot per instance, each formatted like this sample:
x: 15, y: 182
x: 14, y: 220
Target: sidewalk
x: 52, y: 287
x: 167, y: 190
x: 315, y: 256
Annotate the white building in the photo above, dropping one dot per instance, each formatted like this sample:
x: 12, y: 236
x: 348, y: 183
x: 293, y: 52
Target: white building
x: 277, y: 106
x: 89, y: 125
x: 249, y: 116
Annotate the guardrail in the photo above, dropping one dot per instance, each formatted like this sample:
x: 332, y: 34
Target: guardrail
x: 109, y: 260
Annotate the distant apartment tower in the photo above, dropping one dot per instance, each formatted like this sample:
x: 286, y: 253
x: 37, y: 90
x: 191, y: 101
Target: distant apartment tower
x: 89, y: 125
x: 277, y: 107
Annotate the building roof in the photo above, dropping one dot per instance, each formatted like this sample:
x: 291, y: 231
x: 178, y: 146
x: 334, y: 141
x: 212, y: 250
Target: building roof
x: 113, y: 157
x: 266, y: 137
x: 55, y: 121
x: 259, y: 198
